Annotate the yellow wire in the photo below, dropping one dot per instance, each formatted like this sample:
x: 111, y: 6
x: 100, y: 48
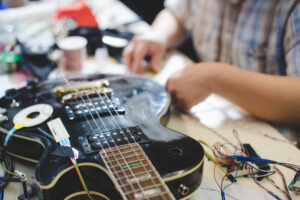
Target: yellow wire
x: 7, y: 170
x: 14, y: 173
x: 81, y: 178
x: 216, y: 162
x: 211, y: 158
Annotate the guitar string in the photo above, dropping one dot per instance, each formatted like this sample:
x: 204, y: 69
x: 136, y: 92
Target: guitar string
x: 77, y: 91
x: 116, y: 146
x: 93, y: 131
x: 107, y: 129
x: 108, y: 100
x: 124, y: 124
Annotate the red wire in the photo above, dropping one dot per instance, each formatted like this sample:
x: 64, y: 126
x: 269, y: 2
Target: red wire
x: 291, y: 169
x: 79, y: 176
x: 281, y: 175
x: 255, y: 180
x: 216, y: 179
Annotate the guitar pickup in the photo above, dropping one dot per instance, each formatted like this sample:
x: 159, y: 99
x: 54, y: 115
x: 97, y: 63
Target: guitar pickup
x: 86, y: 94
x: 94, y: 107
x: 93, y: 143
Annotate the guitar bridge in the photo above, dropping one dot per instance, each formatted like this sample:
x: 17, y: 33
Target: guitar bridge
x: 93, y: 143
x: 60, y: 91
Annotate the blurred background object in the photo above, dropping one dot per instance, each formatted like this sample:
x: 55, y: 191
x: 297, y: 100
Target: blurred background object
x: 14, y: 3
x: 74, y: 52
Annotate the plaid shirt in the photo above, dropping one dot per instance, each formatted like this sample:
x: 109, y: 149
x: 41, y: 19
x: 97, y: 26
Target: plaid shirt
x: 244, y: 33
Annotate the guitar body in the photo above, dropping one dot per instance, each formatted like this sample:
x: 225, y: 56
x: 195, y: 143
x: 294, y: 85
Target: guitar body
x: 142, y: 105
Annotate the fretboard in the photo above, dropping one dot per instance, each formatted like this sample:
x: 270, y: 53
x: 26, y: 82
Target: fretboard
x: 134, y: 173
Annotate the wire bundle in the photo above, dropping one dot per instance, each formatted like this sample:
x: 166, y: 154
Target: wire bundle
x: 231, y: 160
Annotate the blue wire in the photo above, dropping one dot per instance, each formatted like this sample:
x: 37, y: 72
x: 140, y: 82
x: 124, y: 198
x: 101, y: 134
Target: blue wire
x: 2, y: 195
x: 253, y: 159
x: 9, y: 134
x: 223, y: 195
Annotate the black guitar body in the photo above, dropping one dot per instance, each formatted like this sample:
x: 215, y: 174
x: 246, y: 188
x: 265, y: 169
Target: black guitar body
x: 143, y: 104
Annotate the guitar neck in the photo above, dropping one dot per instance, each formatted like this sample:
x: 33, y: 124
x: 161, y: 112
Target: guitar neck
x: 136, y: 176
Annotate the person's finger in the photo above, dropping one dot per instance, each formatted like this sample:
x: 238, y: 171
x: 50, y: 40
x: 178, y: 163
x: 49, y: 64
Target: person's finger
x: 154, y: 62
x: 167, y: 85
x: 127, y: 55
x: 140, y: 51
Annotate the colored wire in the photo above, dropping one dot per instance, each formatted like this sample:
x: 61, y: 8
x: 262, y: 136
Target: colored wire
x: 8, y: 136
x: 81, y: 178
x: 2, y: 195
x: 211, y: 158
x: 284, y: 183
x: 233, y: 179
x: 262, y: 187
x: 276, y: 186
x: 12, y: 131
x: 222, y: 193
x: 11, y: 173
x: 216, y: 179
x: 214, y: 161
x: 7, y: 171
x: 289, y: 167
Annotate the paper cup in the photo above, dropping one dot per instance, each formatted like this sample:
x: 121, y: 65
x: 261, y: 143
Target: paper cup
x: 74, y: 52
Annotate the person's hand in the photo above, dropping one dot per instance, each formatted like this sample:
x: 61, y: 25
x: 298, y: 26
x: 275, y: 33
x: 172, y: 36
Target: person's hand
x: 140, y: 47
x: 190, y: 85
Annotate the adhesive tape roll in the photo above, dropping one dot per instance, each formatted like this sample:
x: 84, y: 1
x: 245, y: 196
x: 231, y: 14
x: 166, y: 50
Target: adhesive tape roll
x: 44, y: 112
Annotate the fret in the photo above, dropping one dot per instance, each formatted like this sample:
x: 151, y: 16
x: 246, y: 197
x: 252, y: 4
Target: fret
x: 132, y: 168
x: 119, y: 157
x: 138, y: 190
x: 137, y: 177
x: 124, y: 160
x: 118, y: 149
x: 135, y: 174
x: 133, y: 189
x: 153, y: 196
x: 142, y: 182
x: 121, y: 178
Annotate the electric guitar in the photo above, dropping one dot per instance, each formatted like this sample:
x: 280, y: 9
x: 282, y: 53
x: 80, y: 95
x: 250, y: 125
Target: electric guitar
x: 114, y: 127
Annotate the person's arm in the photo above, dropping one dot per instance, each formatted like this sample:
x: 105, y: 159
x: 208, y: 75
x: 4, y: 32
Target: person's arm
x: 168, y: 28
x: 269, y: 97
x: 274, y: 98
x: 165, y: 32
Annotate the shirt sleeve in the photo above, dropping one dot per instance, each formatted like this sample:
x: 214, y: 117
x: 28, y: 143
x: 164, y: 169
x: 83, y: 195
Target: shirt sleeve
x: 180, y: 8
x: 292, y: 43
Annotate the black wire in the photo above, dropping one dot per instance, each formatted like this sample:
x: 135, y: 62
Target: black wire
x: 6, y: 160
x: 10, y: 179
x: 43, y: 132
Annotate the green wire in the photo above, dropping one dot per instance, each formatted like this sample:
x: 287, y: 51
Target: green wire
x: 284, y: 182
x: 83, y: 179
x: 234, y: 177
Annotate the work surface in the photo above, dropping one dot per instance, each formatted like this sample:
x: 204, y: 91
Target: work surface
x: 213, y: 120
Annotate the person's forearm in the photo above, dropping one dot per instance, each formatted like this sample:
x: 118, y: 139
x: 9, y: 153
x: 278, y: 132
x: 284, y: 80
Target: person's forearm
x: 269, y: 97
x: 168, y: 28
